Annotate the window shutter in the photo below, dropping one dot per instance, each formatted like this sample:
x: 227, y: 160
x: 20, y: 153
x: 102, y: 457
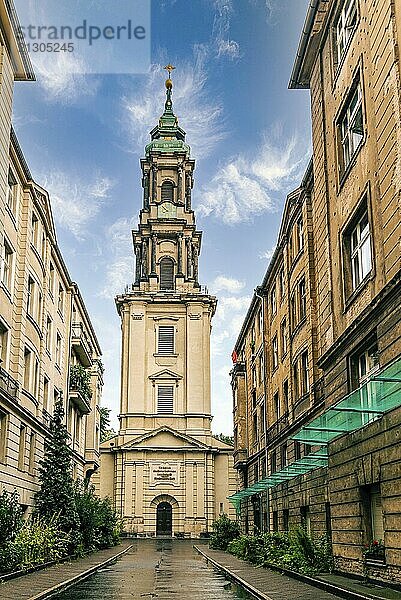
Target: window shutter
x: 165, y: 399
x: 166, y: 339
x: 166, y: 274
x: 167, y: 192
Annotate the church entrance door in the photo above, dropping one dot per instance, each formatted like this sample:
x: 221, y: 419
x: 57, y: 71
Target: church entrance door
x: 164, y: 519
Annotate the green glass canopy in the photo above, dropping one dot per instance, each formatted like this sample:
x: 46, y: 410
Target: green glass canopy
x: 379, y: 394
x: 299, y: 467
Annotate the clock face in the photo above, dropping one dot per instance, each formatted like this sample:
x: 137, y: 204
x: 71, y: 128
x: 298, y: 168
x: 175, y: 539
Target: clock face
x: 167, y: 210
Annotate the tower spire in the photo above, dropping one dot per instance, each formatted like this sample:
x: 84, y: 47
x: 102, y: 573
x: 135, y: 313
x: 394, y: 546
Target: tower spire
x: 167, y: 136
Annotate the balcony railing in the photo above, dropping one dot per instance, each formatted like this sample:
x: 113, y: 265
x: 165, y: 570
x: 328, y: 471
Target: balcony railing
x: 8, y: 384
x: 277, y: 427
x: 81, y: 344
x: 81, y: 400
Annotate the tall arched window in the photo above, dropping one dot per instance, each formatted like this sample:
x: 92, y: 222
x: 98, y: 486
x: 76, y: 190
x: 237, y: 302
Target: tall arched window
x: 166, y: 274
x: 167, y: 192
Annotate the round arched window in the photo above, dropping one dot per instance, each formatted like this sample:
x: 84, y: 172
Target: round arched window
x: 167, y: 192
x: 166, y: 273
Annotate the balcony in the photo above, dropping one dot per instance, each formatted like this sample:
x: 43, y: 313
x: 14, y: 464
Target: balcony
x: 8, y: 385
x: 280, y: 425
x: 240, y: 458
x: 81, y: 345
x: 80, y: 392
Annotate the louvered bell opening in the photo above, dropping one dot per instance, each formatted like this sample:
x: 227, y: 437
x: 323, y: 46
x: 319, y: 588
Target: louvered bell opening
x: 166, y: 339
x: 166, y: 274
x: 165, y: 399
x: 167, y: 192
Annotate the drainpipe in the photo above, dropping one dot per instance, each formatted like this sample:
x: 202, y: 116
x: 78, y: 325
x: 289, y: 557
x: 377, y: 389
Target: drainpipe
x: 261, y: 297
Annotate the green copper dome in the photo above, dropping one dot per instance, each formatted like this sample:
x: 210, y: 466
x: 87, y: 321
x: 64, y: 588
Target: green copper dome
x: 167, y: 136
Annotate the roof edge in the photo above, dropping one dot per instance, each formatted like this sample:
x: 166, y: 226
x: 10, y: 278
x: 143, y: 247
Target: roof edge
x: 302, y: 47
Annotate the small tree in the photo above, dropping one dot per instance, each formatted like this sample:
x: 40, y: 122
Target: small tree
x: 224, y: 532
x: 227, y: 439
x: 56, y: 495
x: 106, y: 432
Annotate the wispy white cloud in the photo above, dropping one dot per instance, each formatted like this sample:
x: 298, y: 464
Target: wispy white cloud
x: 65, y: 78
x: 76, y: 202
x: 245, y: 186
x: 267, y: 254
x: 227, y: 323
x: 201, y: 115
x: 120, y: 266
x: 220, y: 40
x: 227, y: 284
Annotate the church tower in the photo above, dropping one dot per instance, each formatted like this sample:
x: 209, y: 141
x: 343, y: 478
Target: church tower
x: 161, y: 468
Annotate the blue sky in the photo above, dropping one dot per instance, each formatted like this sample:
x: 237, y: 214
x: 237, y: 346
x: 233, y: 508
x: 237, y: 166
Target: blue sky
x: 83, y: 137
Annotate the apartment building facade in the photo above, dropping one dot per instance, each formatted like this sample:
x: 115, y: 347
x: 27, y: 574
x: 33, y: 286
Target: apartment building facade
x: 48, y: 347
x: 343, y: 477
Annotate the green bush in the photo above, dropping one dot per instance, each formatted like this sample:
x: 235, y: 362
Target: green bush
x: 224, y: 531
x: 99, y: 524
x: 10, y: 516
x: 295, y: 551
x: 36, y: 542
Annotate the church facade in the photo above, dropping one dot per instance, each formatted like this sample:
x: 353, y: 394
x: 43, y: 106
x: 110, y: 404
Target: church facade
x: 166, y: 473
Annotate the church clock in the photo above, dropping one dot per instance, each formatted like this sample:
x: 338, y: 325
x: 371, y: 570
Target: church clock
x: 167, y: 210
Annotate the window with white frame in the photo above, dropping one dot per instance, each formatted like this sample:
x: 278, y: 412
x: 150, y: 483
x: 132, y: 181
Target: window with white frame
x: 58, y: 350
x: 3, y: 434
x: 351, y: 126
x: 165, y: 343
x: 304, y: 373
x: 35, y: 231
x: 60, y: 303
x: 7, y: 264
x: 12, y: 192
x: 283, y: 332
x: 302, y: 299
x: 51, y: 279
x: 165, y: 399
x: 27, y: 368
x: 360, y: 250
x: 282, y: 284
x: 30, y: 304
x: 293, y: 309
x: 275, y: 352
x: 276, y: 405
x: 261, y: 368
x: 32, y: 451
x: 345, y: 27
x: 22, y: 446
x: 49, y: 330
x: 46, y: 385
x: 260, y: 318
x: 300, y: 234
x: 3, y: 344
x: 273, y: 300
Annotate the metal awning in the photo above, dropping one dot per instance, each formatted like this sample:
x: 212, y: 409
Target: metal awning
x: 380, y: 393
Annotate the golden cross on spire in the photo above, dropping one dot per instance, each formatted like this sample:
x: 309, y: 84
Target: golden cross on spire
x: 169, y: 68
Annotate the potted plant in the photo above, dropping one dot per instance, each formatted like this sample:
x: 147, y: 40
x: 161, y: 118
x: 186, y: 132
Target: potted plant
x: 374, y: 552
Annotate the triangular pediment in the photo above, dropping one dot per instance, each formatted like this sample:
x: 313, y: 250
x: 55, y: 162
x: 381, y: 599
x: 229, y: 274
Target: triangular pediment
x: 165, y: 374
x: 165, y: 438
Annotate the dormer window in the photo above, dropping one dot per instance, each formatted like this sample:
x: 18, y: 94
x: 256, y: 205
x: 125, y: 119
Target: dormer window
x: 167, y: 192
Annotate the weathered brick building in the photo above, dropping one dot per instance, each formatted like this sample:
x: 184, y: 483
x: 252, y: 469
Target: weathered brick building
x: 331, y: 435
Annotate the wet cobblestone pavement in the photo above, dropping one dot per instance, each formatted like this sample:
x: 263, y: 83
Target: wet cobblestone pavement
x: 162, y: 569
